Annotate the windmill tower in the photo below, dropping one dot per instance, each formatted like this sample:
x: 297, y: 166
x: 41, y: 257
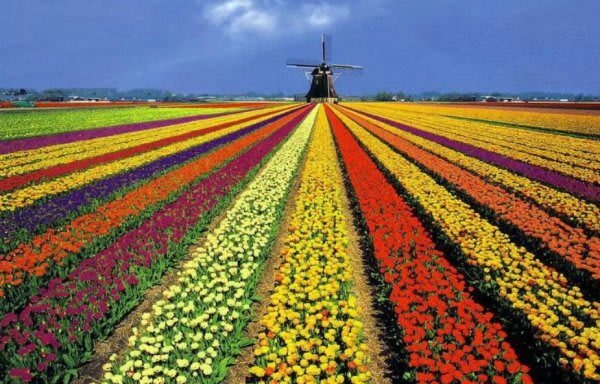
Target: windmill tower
x: 321, y: 87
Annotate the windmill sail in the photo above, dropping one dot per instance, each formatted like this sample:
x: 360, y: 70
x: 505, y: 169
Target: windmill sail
x: 302, y: 63
x: 345, y: 66
x: 327, y: 48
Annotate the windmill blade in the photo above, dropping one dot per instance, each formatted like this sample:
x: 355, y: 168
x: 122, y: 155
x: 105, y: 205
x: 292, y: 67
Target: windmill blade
x: 301, y: 63
x: 327, y: 47
x: 346, y: 66
x: 347, y: 71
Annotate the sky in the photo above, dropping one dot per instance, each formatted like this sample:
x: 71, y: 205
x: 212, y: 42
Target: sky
x: 235, y: 46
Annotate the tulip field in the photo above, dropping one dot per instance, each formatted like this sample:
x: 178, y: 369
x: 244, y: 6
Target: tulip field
x: 300, y: 243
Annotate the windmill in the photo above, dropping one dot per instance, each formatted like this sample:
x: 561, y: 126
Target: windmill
x: 321, y: 87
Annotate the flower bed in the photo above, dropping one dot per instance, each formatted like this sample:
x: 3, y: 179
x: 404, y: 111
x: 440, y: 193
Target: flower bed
x: 26, y: 162
x: 62, y: 249
x: 559, y: 314
x: 312, y: 331
x: 574, y: 252
x: 30, y: 194
x: 446, y: 334
x: 192, y: 334
x: 55, y: 332
x: 22, y: 223
x: 557, y: 203
x: 585, y: 189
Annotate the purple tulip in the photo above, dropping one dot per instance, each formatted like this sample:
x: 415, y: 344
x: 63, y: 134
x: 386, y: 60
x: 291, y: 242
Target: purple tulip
x: 8, y: 319
x: 26, y: 349
x: 47, y: 338
x: 21, y: 373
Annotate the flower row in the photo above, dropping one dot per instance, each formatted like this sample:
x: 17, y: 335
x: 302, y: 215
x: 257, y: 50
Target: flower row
x: 192, y: 334
x: 58, y: 170
x: 447, y: 335
x: 311, y: 328
x: 566, y: 154
x: 30, y: 194
x: 17, y: 163
x: 580, y: 148
x: 565, y: 181
x: 19, y: 226
x: 563, y: 151
x: 558, y: 312
x: 53, y: 248
x: 554, y: 143
x: 575, y: 123
x: 54, y: 333
x: 566, y: 205
x: 574, y: 248
x: 34, y: 123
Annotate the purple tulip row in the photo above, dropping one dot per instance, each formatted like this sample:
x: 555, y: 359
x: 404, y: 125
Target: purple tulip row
x: 553, y: 178
x: 59, y: 324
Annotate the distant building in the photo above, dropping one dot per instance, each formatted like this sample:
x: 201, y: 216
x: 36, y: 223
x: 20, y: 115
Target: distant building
x: 79, y: 99
x: 248, y: 98
x: 350, y: 98
x: 75, y: 99
x: 489, y: 99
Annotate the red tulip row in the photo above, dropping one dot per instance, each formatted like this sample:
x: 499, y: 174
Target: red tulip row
x: 448, y: 336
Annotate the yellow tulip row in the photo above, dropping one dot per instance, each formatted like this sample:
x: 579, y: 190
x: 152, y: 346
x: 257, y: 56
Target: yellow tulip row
x: 30, y: 194
x: 576, y: 123
x: 30, y: 160
x: 184, y: 338
x: 564, y: 203
x: 470, y: 133
x: 312, y: 330
x: 579, y: 147
x: 560, y: 314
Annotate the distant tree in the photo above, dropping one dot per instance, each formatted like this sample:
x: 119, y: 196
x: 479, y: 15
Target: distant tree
x: 53, y: 94
x: 384, y: 96
x: 457, y: 97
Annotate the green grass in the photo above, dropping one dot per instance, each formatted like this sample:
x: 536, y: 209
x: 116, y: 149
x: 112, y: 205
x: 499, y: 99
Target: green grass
x: 16, y: 124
